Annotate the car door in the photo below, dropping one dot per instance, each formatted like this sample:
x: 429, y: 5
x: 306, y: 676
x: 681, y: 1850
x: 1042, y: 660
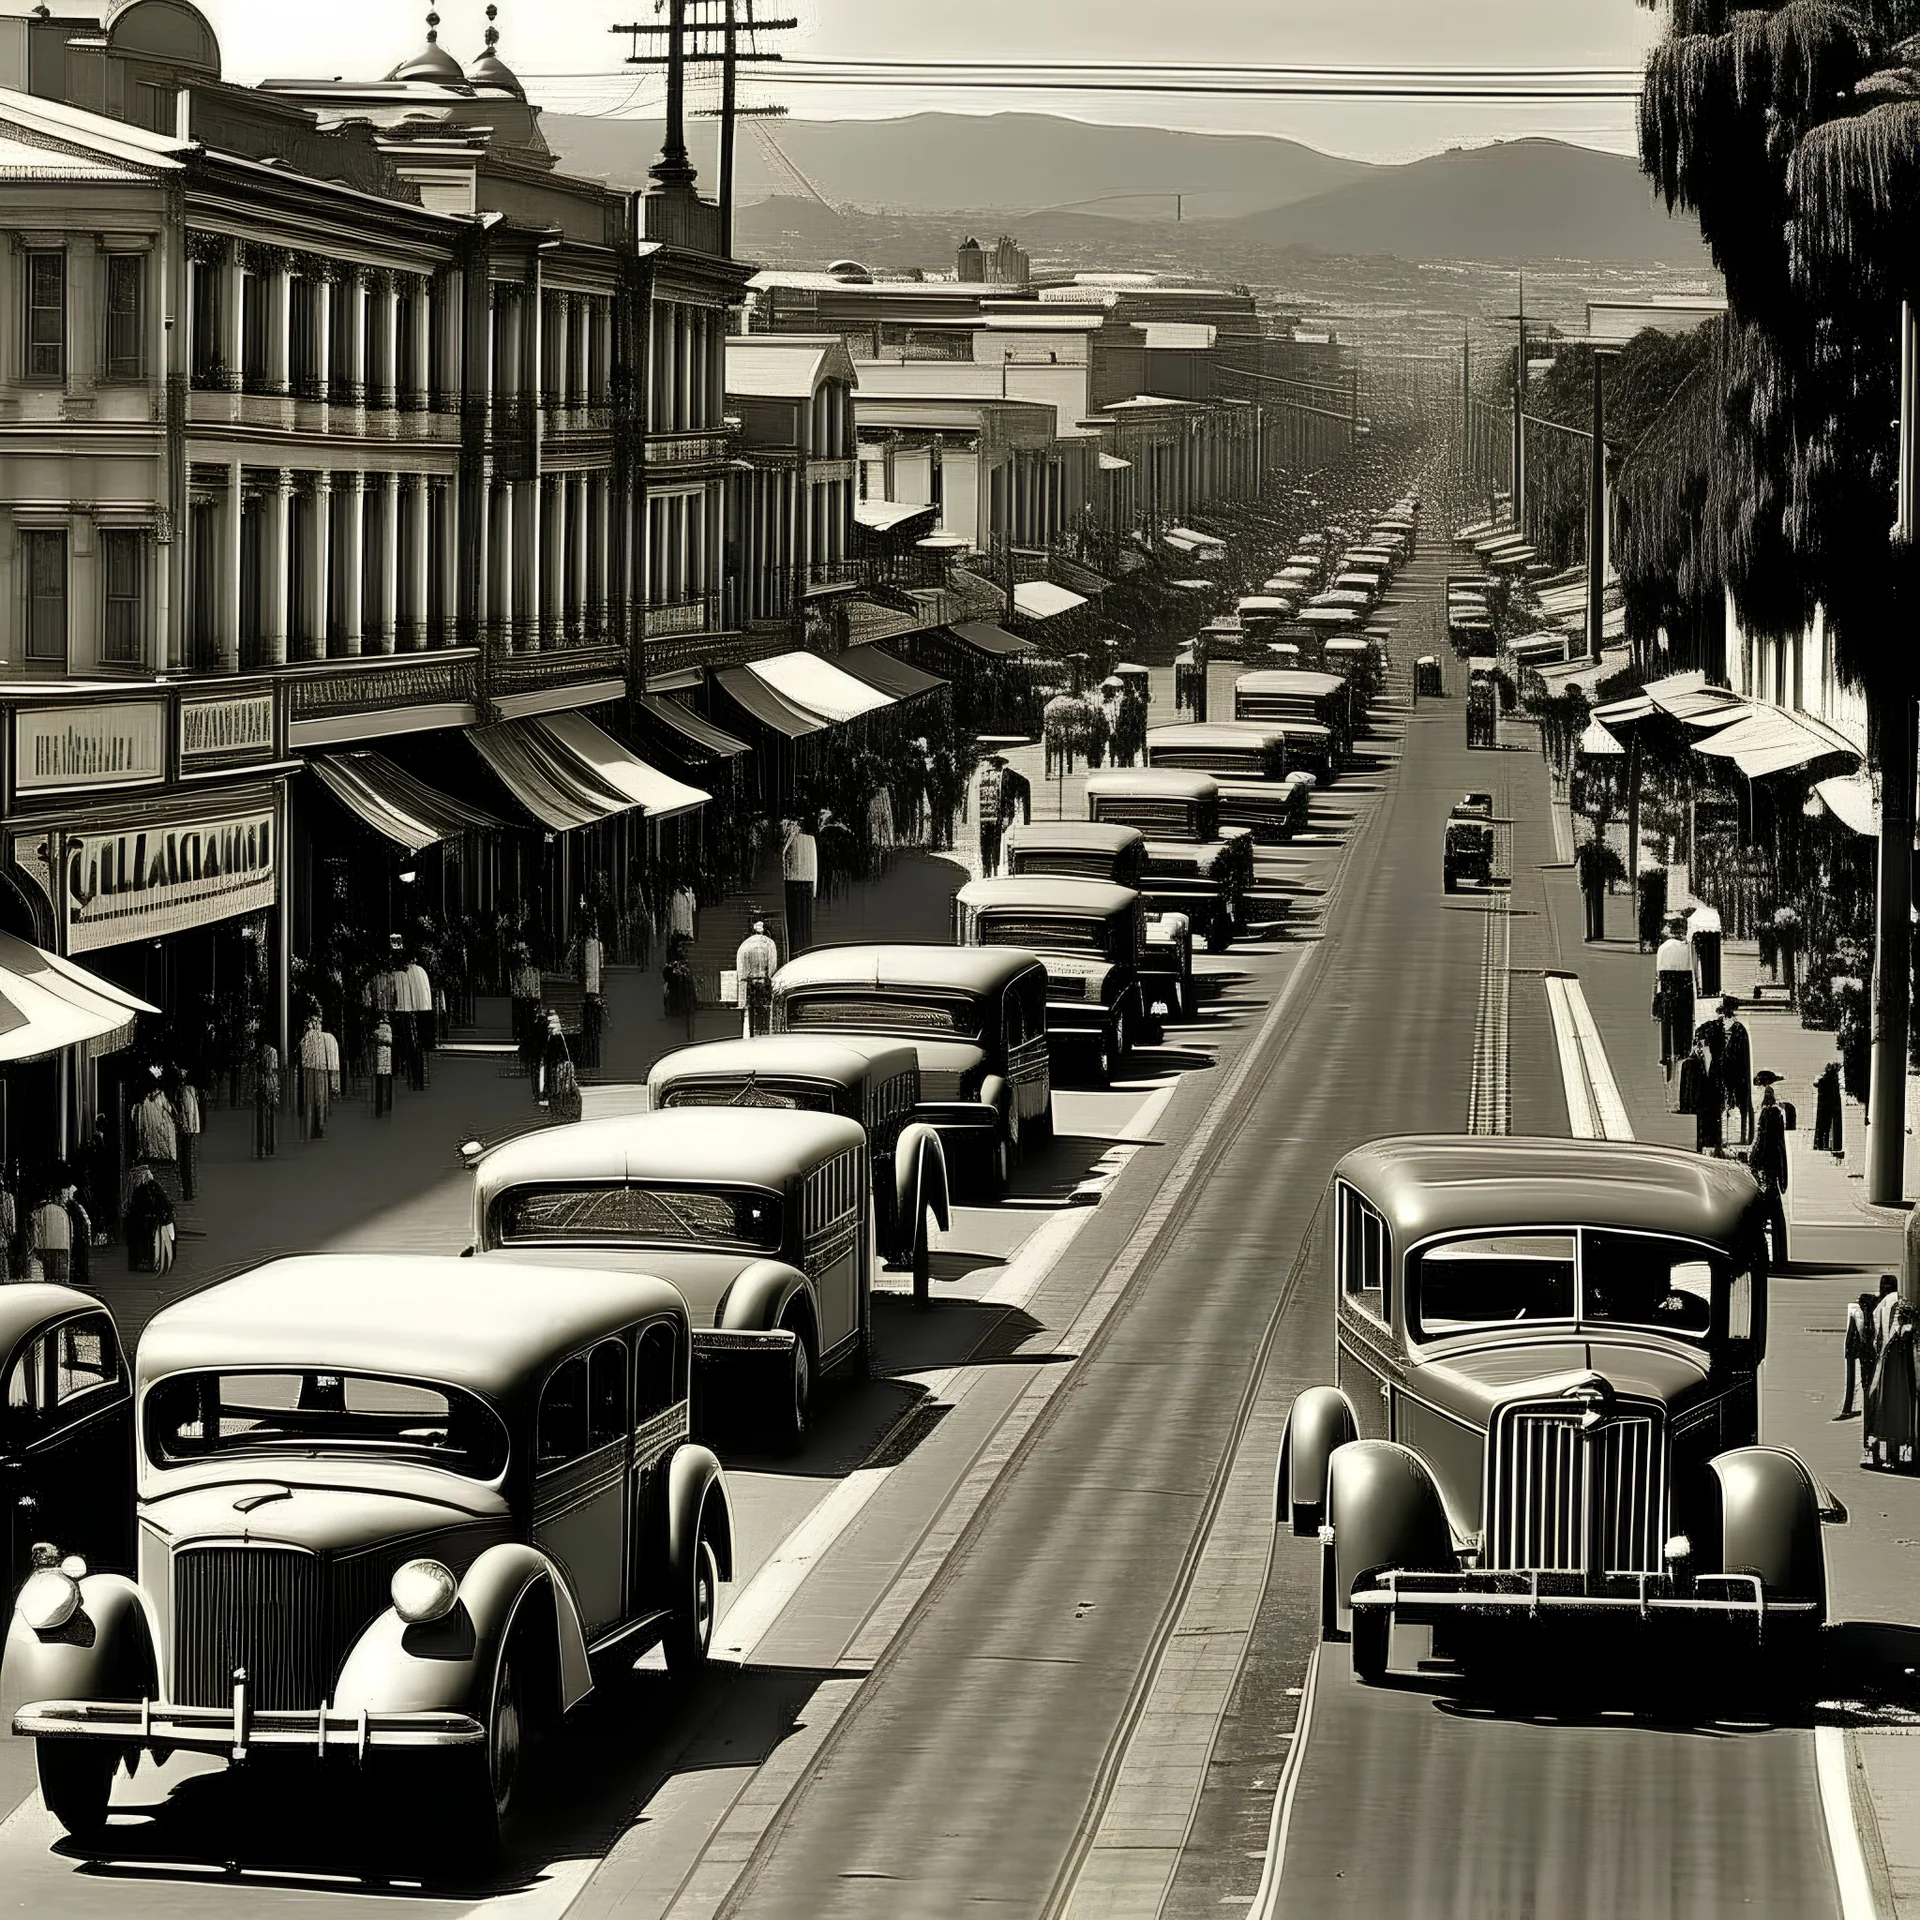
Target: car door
x: 582, y: 1445
x: 23, y: 1401
x: 836, y: 1259
x: 1024, y: 1037
x: 660, y: 1425
x: 1360, y: 1255
x: 79, y: 1465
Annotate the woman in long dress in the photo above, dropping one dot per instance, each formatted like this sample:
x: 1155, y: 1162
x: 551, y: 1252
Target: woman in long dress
x: 1893, y: 1400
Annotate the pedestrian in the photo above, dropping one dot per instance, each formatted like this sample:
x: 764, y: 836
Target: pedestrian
x: 382, y: 1064
x: 266, y: 1101
x: 319, y: 1076
x: 1597, y: 865
x: 1703, y: 935
x: 678, y: 998
x: 156, y: 1140
x: 11, y: 1267
x: 593, y: 1005
x: 1893, y: 1399
x: 1736, y: 1064
x: 80, y: 1238
x: 102, y: 1163
x: 1673, y: 995
x: 800, y: 871
x: 880, y: 832
x: 990, y: 794
x: 754, y: 967
x: 1878, y: 1322
x: 683, y: 908
x: 187, y: 1127
x: 1829, y: 1126
x: 1700, y: 1096
x: 553, y: 1057
x: 50, y: 1236
x: 1859, y: 1349
x: 1017, y: 799
x: 1768, y: 1164
x: 415, y: 1006
x: 150, y: 1225
x: 523, y: 988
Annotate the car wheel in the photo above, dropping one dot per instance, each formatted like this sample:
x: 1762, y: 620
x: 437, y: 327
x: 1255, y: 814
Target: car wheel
x: 1122, y: 1039
x: 1372, y: 1638
x: 76, y: 1782
x: 796, y: 1409
x: 1220, y: 931
x: 690, y: 1638
x: 478, y: 1794
x: 1103, y: 1056
x: 997, y: 1171
x: 1040, y: 1127
x: 922, y: 1263
x: 1177, y: 998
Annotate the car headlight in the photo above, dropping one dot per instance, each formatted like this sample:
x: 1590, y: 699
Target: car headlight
x: 50, y: 1598
x: 424, y: 1590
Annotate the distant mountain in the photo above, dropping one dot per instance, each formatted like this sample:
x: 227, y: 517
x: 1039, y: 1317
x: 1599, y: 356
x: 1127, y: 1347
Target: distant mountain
x: 939, y: 161
x: 1520, y: 200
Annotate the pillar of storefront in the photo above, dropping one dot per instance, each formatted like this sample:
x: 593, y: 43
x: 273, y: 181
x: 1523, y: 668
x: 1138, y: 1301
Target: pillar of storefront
x: 274, y: 568
x: 350, y: 569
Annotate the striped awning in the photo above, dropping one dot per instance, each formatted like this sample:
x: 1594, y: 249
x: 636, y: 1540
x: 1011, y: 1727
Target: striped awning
x: 48, y: 1004
x: 758, y: 700
x: 888, y: 673
x: 387, y: 798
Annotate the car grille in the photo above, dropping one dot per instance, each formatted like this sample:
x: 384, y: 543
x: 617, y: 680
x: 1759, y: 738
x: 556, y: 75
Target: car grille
x: 261, y: 1608
x: 1166, y: 819
x: 1073, y: 866
x: 1243, y: 766
x: 1548, y: 1478
x: 1271, y: 706
x: 1066, y: 986
x: 942, y: 1083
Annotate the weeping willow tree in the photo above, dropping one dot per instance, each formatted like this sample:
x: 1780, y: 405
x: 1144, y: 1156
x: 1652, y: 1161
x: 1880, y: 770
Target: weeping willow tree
x: 1790, y: 132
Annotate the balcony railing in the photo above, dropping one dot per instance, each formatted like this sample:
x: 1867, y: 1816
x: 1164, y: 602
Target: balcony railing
x: 698, y: 615
x: 688, y: 449
x: 678, y: 218
x: 556, y: 666
x: 379, y: 683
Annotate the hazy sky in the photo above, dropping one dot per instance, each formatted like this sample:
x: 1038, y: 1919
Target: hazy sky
x: 570, y: 38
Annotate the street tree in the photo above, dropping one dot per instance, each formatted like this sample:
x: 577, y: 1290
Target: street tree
x: 1792, y: 132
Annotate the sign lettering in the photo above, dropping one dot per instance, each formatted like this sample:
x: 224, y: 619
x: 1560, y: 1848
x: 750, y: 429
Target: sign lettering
x: 143, y: 882
x: 119, y: 743
x: 226, y: 729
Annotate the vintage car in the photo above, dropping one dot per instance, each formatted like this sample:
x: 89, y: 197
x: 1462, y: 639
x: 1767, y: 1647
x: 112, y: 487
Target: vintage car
x: 395, y: 1511
x: 1467, y: 852
x: 1095, y: 850
x: 66, y: 1430
x: 977, y: 1018
x: 1260, y: 788
x: 1548, y: 1402
x: 1483, y: 712
x: 1277, y: 696
x: 1089, y: 934
x: 876, y: 1082
x: 1356, y: 660
x: 763, y: 1220
x: 1195, y: 864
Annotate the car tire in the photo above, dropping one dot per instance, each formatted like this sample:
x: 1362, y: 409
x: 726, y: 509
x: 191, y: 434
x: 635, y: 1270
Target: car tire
x: 794, y: 1421
x: 1372, y: 1640
x: 1101, y: 1071
x: 922, y: 1263
x: 689, y: 1639
x: 1122, y: 1039
x: 1040, y: 1127
x: 1220, y: 931
x: 1177, y: 997
x: 996, y: 1166
x: 76, y: 1782
x: 476, y: 1797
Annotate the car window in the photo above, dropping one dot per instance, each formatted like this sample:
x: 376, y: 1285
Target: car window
x: 1032, y: 988
x: 1493, y: 1278
x: 881, y: 1013
x: 563, y: 1416
x: 86, y: 1357
x: 628, y: 1213
x: 1645, y: 1280
x: 26, y: 1382
x: 658, y: 1386
x: 1361, y: 1252
x: 779, y: 1095
x: 1740, y: 1307
x: 607, y: 1393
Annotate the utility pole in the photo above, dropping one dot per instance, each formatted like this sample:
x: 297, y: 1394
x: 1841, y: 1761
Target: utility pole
x: 1466, y: 414
x: 1597, y: 511
x: 1520, y: 417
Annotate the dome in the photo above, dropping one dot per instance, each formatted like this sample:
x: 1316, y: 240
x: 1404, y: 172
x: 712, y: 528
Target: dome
x: 852, y: 272
x: 432, y: 62
x: 489, y: 70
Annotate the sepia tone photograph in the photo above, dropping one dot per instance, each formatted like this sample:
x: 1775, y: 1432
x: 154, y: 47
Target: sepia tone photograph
x: 959, y: 960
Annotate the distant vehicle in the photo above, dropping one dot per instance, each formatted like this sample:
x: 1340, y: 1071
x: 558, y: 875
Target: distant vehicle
x: 66, y: 1429
x: 1482, y: 713
x: 1356, y: 660
x: 1547, y: 1404
x: 763, y: 1220
x: 1195, y: 864
x: 876, y: 1082
x: 395, y: 1511
x: 1090, y: 936
x: 1467, y: 851
x: 1281, y: 695
x: 975, y: 1016
x: 1260, y: 789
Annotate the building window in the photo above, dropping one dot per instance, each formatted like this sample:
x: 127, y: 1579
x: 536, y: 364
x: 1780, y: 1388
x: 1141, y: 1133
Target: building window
x: 207, y: 370
x: 257, y: 293
x: 46, y: 316
x: 123, y: 570
x: 126, y: 316
x: 43, y: 556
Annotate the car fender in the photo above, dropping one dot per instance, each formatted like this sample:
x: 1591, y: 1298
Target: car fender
x: 995, y: 1093
x: 697, y: 1485
x: 1383, y: 1510
x: 1319, y: 1420
x: 1169, y: 930
x: 760, y: 1295
x: 449, y: 1665
x: 107, y: 1651
x: 1770, y: 1522
x: 919, y: 1183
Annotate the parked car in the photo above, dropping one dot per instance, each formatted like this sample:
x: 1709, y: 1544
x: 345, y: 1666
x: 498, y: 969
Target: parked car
x: 1279, y: 696
x: 1089, y: 935
x: 763, y: 1220
x: 977, y: 1018
x: 1195, y: 865
x: 66, y: 1430
x: 1548, y: 1402
x: 393, y: 1510
x: 1260, y: 788
x: 876, y: 1082
x: 1467, y: 853
x: 1098, y: 850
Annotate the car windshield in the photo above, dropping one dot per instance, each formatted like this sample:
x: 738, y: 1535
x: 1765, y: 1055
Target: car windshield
x: 1645, y: 1280
x: 201, y: 1416
x: 1499, y: 1277
x: 883, y: 1013
x: 783, y: 1095
x: 623, y: 1213
x: 1043, y: 933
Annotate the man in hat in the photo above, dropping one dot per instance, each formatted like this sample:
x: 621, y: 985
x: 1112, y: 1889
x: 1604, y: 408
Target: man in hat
x: 757, y: 961
x: 1768, y: 1164
x: 1673, y: 995
x: 991, y: 798
x: 1736, y: 1064
x: 800, y: 875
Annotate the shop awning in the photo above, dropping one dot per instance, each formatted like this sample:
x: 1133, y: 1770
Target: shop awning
x: 984, y: 637
x: 887, y: 672
x: 819, y: 686
x: 1042, y: 600
x: 393, y: 803
x: 1770, y: 740
x: 660, y: 795
x: 882, y: 516
x: 555, y: 785
x: 48, y: 1004
x: 710, y: 742
x: 754, y: 696
x: 1112, y: 463
x: 1851, y: 799
x: 1597, y: 742
x: 1623, y: 713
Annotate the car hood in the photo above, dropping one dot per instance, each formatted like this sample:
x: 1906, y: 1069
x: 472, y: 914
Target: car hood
x: 1204, y: 858
x: 948, y: 1056
x: 299, y: 1512
x: 702, y: 1277
x: 1472, y: 1381
x: 1092, y: 971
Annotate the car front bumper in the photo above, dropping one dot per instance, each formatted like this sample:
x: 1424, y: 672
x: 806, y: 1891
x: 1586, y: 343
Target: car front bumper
x: 1435, y: 1599
x: 238, y: 1731
x: 721, y: 1344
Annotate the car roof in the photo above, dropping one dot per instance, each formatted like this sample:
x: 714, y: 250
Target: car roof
x: 30, y: 1304
x: 1076, y: 833
x: 1348, y: 646
x: 486, y: 1325
x: 1449, y: 1183
x: 1173, y: 783
x: 1216, y: 733
x: 960, y: 969
x: 846, y: 1062
x: 1291, y: 680
x: 1049, y: 893
x: 759, y: 1147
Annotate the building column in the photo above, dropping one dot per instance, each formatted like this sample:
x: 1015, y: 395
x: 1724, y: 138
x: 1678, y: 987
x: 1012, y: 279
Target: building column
x: 357, y: 294
x: 579, y: 590
x: 86, y: 272
x: 387, y: 560
x: 280, y: 323
x: 418, y: 375
x: 275, y: 571
x: 350, y: 571
x: 418, y: 561
x: 559, y: 353
x: 445, y: 553
x: 553, y: 559
x: 320, y: 567
x: 232, y: 283
x: 227, y: 600
x: 323, y: 338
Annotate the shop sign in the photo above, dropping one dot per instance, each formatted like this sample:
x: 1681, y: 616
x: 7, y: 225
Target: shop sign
x: 119, y: 743
x: 239, y: 727
x: 143, y: 882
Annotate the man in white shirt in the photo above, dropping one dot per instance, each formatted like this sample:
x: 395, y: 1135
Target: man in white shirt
x: 755, y: 965
x: 800, y: 870
x: 416, y: 1002
x: 1673, y: 995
